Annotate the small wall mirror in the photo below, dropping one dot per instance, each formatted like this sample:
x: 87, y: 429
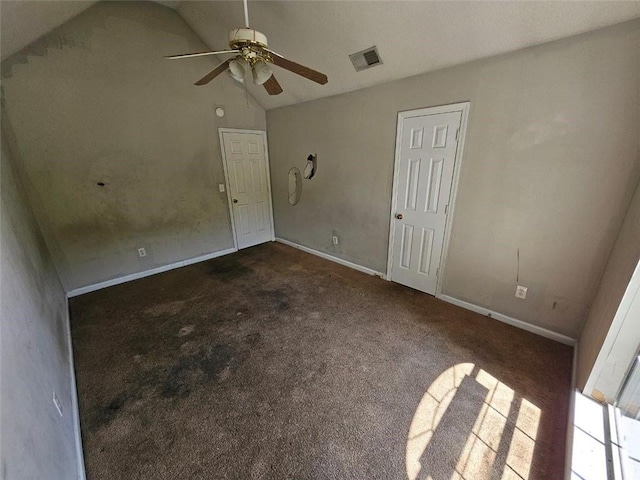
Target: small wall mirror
x: 295, y: 186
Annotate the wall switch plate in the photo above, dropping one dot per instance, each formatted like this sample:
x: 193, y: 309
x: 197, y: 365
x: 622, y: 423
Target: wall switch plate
x: 57, y: 404
x: 335, y: 240
x: 521, y: 292
x: 221, y: 187
x: 142, y: 252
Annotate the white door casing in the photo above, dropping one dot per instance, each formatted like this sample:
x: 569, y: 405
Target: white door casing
x: 246, y: 168
x: 425, y: 169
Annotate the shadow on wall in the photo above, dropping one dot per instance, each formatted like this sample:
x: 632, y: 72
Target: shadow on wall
x: 470, y: 426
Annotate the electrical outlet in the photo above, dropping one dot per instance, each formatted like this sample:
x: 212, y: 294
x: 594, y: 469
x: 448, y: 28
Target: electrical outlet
x: 335, y: 240
x: 142, y: 252
x: 521, y: 292
x: 221, y: 187
x: 56, y: 402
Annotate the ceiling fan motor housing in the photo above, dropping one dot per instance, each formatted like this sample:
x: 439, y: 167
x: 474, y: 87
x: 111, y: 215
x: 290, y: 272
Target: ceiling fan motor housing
x: 243, y: 37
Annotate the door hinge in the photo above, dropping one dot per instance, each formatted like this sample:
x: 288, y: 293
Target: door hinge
x: 437, y: 272
x: 446, y: 209
x: 457, y: 134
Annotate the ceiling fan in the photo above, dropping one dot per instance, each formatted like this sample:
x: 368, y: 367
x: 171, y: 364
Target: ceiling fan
x: 253, y: 55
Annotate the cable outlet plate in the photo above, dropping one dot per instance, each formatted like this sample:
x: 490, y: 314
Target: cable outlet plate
x: 521, y: 292
x: 142, y: 252
x: 335, y: 240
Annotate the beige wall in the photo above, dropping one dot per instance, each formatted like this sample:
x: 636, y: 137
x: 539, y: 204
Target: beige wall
x: 35, y: 442
x: 550, y: 165
x: 618, y: 272
x: 94, y: 102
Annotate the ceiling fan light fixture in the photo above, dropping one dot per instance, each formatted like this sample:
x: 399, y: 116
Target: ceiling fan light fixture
x: 253, y: 55
x: 238, y: 69
x: 261, y: 72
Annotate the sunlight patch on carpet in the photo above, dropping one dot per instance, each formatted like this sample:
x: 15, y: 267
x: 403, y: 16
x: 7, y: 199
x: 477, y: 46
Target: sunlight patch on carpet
x: 470, y: 426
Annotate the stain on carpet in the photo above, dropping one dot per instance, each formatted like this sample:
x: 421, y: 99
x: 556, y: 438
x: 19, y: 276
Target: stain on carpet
x: 253, y: 338
x: 272, y: 363
x: 277, y: 298
x: 229, y: 268
x: 111, y: 410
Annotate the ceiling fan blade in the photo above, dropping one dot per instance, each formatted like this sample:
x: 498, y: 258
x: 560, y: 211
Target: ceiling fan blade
x: 213, y: 73
x: 200, y: 54
x: 272, y: 86
x: 294, y: 67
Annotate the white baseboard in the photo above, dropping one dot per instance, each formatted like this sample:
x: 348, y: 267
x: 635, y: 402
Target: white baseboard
x: 544, y: 332
x: 75, y: 410
x: 326, y: 256
x: 558, y: 337
x: 135, y: 276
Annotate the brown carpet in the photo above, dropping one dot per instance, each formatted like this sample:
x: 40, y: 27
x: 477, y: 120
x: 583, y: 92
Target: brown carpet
x: 273, y: 363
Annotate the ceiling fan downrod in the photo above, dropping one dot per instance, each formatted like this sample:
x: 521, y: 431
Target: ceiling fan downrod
x: 246, y: 13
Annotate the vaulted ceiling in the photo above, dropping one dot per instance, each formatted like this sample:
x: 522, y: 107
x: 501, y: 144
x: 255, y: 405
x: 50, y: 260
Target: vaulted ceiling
x: 412, y: 36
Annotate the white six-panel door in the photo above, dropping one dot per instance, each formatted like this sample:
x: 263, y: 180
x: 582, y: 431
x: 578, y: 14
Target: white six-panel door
x: 248, y: 182
x: 423, y: 179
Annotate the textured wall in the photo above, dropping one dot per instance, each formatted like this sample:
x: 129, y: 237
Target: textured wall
x: 550, y: 165
x: 93, y: 101
x: 35, y: 442
x: 618, y: 272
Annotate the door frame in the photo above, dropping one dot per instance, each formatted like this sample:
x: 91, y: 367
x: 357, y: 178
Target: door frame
x: 462, y: 107
x: 263, y: 133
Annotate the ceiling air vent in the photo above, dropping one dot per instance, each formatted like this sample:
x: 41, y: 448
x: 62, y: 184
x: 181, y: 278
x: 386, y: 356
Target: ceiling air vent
x: 366, y: 59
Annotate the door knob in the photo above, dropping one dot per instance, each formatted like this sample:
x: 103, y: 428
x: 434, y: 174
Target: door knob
x: 235, y: 200
x: 399, y: 216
